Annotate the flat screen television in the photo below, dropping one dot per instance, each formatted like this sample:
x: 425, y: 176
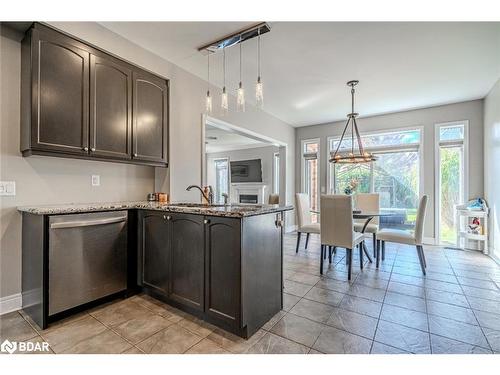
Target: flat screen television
x: 246, y: 171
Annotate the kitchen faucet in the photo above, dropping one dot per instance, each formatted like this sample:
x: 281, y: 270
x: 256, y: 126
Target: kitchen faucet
x: 209, y: 198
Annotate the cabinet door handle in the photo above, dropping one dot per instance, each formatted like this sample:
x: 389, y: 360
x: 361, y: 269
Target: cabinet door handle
x: 85, y: 149
x: 167, y: 217
x: 279, y: 223
x: 92, y: 149
x: 206, y: 221
x: 135, y: 154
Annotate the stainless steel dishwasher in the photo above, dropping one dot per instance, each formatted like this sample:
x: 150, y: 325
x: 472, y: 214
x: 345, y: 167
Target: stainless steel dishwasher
x: 87, y: 258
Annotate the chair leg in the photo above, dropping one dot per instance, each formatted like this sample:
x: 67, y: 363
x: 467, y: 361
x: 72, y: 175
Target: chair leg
x: 423, y: 255
x: 330, y: 251
x: 383, y: 250
x: 419, y: 253
x: 346, y: 257
x: 298, y: 242
x: 349, y: 269
x: 321, y: 260
x: 360, y: 255
x: 307, y: 239
x: 334, y: 250
x: 378, y: 252
x: 374, y: 245
x: 365, y: 250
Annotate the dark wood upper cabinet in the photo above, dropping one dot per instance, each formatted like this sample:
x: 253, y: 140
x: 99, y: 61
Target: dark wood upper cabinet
x: 150, y: 115
x: 60, y: 94
x: 110, y: 108
x: 79, y: 101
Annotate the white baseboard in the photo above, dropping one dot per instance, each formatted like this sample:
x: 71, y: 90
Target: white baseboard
x: 11, y: 303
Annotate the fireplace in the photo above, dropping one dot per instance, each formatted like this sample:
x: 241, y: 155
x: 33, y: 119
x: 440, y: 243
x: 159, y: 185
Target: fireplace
x: 249, y: 198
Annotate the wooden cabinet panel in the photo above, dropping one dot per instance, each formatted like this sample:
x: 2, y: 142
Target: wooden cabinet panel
x: 60, y: 94
x: 222, y: 269
x: 110, y: 108
x: 155, y: 258
x: 150, y: 117
x: 187, y: 260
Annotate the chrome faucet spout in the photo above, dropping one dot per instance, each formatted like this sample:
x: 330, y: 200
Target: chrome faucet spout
x: 209, y: 198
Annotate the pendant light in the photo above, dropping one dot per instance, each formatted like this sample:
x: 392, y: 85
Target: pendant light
x: 240, y: 96
x: 259, y: 90
x: 224, y: 100
x: 208, y: 99
x: 358, y: 155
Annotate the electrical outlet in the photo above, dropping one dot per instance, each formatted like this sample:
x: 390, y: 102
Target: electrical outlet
x: 96, y: 180
x: 8, y: 188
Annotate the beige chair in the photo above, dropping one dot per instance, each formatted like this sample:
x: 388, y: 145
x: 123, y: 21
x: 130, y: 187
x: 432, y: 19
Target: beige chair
x: 337, y: 228
x: 274, y: 199
x: 368, y: 203
x: 406, y: 237
x: 304, y: 221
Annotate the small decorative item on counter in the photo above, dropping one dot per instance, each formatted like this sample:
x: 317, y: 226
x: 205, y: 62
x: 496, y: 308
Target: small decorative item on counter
x: 151, y: 197
x: 351, y: 188
x: 477, y: 204
x: 163, y: 197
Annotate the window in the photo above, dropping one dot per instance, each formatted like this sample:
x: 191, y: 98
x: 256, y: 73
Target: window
x: 395, y: 175
x: 221, y: 179
x: 310, y: 174
x: 276, y: 173
x: 450, y: 178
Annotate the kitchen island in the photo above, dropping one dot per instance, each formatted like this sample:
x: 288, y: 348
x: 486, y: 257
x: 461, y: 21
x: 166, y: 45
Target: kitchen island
x: 221, y: 263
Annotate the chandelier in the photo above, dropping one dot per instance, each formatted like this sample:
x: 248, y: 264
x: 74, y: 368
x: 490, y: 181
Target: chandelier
x: 357, y: 153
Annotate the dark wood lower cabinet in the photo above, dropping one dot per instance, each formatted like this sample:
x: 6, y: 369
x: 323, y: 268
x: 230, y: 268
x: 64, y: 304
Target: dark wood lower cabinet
x: 186, y: 260
x: 227, y: 271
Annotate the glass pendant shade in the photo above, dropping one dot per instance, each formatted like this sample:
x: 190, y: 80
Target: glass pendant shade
x: 259, y: 93
x: 240, y: 98
x: 208, y: 103
x: 224, y: 102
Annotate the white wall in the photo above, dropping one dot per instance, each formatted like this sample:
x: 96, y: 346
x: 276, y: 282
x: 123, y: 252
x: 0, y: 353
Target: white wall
x: 426, y: 118
x: 265, y: 153
x: 492, y: 164
x: 43, y: 180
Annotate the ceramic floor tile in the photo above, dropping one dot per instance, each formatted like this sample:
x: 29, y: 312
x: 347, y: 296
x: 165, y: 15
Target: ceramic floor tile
x: 297, y: 289
x: 312, y: 310
x: 484, y: 284
x: 172, y: 340
x: 140, y: 328
x: 335, y: 341
x: 398, y: 336
x: 233, y: 343
x: 457, y: 331
x: 275, y: 319
x: 197, y: 326
x: 493, y: 338
x: 409, y: 290
x: 273, y: 344
x: 367, y: 292
x: 106, y: 342
x: 482, y: 304
x: 405, y: 317
x: 289, y: 301
x: 481, y: 293
x: 352, y: 322
x: 361, y: 305
x: 133, y: 350
x: 118, y: 313
x: 298, y: 329
x: 407, y: 302
x: 325, y: 296
x: 14, y: 328
x: 453, y: 312
x: 206, y: 346
x: 63, y: 337
x: 303, y: 278
x: 488, y: 320
x: 446, y: 297
x: 379, y: 348
x: 443, y: 345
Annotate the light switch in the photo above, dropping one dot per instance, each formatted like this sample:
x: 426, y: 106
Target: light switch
x: 96, y: 180
x: 7, y: 188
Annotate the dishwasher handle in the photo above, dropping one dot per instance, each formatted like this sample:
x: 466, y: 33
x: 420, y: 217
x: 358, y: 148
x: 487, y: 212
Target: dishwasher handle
x: 87, y: 223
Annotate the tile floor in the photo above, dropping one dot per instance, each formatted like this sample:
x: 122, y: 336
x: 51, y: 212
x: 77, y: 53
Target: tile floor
x: 454, y: 309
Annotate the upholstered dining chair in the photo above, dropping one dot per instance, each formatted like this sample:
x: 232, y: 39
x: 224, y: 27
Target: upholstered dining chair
x: 337, y: 228
x: 304, y: 219
x: 406, y: 237
x: 274, y: 199
x: 368, y: 203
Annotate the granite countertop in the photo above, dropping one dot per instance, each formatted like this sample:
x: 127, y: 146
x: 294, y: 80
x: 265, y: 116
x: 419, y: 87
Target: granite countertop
x: 234, y: 210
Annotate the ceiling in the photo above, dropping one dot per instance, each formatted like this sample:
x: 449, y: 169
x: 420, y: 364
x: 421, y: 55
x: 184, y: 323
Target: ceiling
x: 305, y: 65
x: 219, y: 140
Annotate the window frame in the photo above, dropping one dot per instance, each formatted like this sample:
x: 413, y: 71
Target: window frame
x: 437, y: 169
x: 382, y: 149
x: 215, y: 160
x: 303, y: 164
